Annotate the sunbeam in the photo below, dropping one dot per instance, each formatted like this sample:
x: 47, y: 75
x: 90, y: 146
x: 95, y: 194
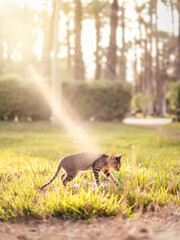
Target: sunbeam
x: 82, y: 139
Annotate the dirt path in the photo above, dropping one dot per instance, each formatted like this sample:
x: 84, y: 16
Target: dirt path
x: 149, y: 226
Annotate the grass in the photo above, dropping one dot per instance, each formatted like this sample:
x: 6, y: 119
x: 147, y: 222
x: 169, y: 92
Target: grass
x: 29, y: 154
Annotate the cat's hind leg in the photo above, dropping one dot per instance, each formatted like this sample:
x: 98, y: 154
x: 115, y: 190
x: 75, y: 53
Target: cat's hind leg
x: 69, y: 178
x: 63, y: 177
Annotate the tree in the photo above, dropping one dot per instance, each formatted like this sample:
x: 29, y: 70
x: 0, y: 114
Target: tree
x: 16, y: 38
x: 178, y: 41
x: 150, y: 90
x: 171, y: 4
x: 95, y: 9
x: 160, y: 100
x: 56, y: 83
x: 47, y: 29
x: 175, y: 98
x: 135, y: 71
x: 122, y: 63
x: 67, y: 9
x: 78, y: 60
x: 140, y: 12
x: 111, y: 59
x: 175, y: 4
x: 145, y: 80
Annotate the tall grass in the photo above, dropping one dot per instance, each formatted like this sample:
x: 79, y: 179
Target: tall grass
x: 29, y: 154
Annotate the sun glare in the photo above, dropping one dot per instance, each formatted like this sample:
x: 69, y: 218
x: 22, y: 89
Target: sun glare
x: 82, y: 140
x: 88, y: 32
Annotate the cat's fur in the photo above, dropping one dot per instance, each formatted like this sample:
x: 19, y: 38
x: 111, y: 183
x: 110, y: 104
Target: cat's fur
x: 85, y: 161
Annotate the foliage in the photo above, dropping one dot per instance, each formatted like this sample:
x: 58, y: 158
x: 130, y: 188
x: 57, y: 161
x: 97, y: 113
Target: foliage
x: 22, y: 99
x: 175, y: 94
x: 140, y: 102
x: 97, y: 101
x: 175, y: 98
x: 149, y: 177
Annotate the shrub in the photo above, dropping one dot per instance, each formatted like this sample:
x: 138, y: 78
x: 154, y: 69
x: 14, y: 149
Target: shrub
x: 22, y: 100
x: 175, y: 98
x: 139, y: 103
x: 96, y: 101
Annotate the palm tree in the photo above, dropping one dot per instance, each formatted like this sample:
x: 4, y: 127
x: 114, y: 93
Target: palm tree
x: 110, y: 70
x: 78, y: 60
x: 95, y: 9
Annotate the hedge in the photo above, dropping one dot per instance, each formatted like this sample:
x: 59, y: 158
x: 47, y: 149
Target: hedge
x: 22, y: 100
x: 98, y: 101
x: 93, y: 101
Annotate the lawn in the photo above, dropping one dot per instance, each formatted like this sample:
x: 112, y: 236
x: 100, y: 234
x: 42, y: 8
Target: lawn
x: 29, y: 154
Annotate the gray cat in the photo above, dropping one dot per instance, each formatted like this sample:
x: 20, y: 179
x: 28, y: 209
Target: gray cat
x: 85, y: 161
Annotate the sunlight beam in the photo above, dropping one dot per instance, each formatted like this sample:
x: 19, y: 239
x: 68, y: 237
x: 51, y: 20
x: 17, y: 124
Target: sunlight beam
x: 82, y: 140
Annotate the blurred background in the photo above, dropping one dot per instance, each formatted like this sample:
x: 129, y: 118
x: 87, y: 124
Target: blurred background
x: 96, y: 59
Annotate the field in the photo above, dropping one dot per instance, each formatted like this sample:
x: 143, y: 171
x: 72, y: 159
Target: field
x: 149, y: 178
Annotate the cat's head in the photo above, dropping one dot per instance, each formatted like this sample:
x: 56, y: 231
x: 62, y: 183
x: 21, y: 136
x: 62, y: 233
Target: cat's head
x: 115, y: 162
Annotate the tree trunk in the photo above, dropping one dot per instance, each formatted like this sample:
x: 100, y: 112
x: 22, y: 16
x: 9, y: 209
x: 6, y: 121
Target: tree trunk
x: 69, y: 63
x: 98, y: 65
x: 110, y: 70
x: 136, y: 75
x: 159, y: 82
x: 178, y: 58
x: 56, y: 82
x: 122, y: 64
x: 141, y: 75
x: 172, y: 15
x: 150, y: 108
x: 143, y: 67
x: 2, y: 59
x: 48, y: 41
x: 79, y: 65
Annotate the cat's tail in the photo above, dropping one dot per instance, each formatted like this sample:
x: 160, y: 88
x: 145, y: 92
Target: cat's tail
x: 55, y: 175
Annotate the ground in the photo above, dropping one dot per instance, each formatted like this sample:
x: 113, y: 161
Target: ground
x: 151, y: 226
x: 148, y: 182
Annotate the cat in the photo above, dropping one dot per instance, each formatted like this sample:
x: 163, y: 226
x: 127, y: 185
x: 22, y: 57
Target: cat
x: 85, y: 161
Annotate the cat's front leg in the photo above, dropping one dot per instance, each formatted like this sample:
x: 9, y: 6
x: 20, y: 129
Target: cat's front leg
x: 96, y: 170
x: 109, y: 175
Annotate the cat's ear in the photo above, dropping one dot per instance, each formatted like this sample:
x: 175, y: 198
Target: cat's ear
x: 121, y: 156
x: 111, y: 157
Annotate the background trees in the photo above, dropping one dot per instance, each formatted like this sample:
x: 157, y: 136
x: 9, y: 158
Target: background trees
x: 78, y: 59
x: 96, y: 9
x: 111, y: 60
x: 121, y: 47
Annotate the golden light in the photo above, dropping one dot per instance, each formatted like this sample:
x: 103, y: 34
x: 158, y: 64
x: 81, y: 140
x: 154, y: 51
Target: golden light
x: 81, y: 138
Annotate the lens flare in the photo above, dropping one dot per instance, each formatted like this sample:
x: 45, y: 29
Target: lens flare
x: 83, y: 140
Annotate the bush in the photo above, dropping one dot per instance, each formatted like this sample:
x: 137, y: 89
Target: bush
x: 175, y: 98
x: 139, y: 103
x: 96, y: 101
x: 22, y: 100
